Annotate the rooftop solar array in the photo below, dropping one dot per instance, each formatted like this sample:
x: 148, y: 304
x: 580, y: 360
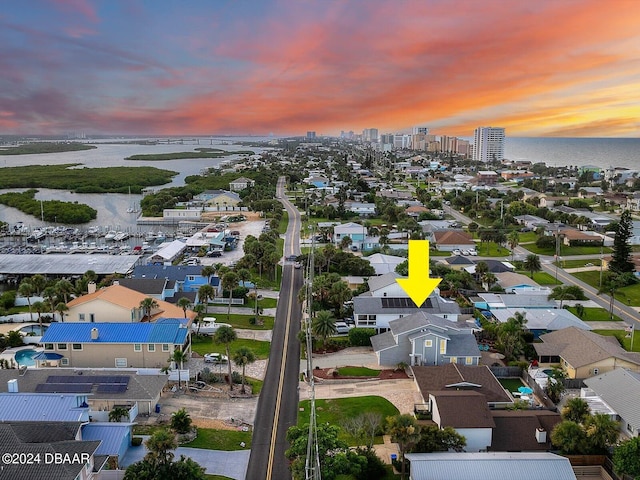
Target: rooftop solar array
x: 92, y: 379
x: 64, y: 388
x: 388, y: 302
x: 111, y: 388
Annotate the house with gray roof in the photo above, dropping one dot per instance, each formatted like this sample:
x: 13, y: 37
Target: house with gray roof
x: 382, y: 263
x: 425, y: 339
x: 114, y: 438
x: 521, y: 300
x: 489, y: 466
x: 584, y: 354
x: 386, y: 301
x: 619, y: 389
x: 541, y: 321
x: 43, y: 443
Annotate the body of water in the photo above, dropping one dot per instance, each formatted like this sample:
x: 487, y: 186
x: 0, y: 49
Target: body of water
x: 112, y: 207
x: 603, y: 152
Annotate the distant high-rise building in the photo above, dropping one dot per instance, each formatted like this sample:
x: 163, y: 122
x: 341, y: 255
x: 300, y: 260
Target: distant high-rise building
x: 488, y: 144
x: 420, y: 130
x: 311, y: 135
x: 370, y: 135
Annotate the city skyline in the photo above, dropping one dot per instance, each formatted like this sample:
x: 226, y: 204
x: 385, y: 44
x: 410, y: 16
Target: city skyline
x: 287, y: 67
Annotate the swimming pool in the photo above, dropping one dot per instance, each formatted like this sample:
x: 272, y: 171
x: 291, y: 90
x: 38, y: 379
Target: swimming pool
x: 25, y: 357
x: 33, y: 329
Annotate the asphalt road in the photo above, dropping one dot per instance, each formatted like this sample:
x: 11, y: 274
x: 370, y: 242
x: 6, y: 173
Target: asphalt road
x: 278, y: 404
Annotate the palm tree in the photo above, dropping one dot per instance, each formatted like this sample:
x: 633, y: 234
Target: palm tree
x: 489, y: 279
x: 206, y: 293
x: 208, y: 271
x: 147, y: 305
x: 38, y: 282
x: 116, y: 414
x: 338, y: 294
x: 562, y: 293
x: 229, y: 282
x: 61, y: 307
x: 184, y: 303
x: 243, y: 275
x: 513, y: 239
x: 242, y: 357
x: 405, y: 431
x: 610, y: 284
x: 323, y: 325
x: 64, y: 288
x: 39, y: 307
x: 199, y: 309
x: 481, y: 269
x: 49, y: 294
x: 26, y: 290
x: 226, y: 335
x: 602, y: 432
x: 178, y: 357
x: 576, y: 409
x: 532, y: 264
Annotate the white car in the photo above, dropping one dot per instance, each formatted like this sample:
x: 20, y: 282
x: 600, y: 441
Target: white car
x: 465, y: 252
x: 215, y: 358
x: 473, y: 253
x: 456, y: 252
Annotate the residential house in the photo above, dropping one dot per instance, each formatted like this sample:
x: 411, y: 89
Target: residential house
x: 382, y: 263
x: 489, y: 466
x: 416, y: 210
x: 487, y: 177
x: 541, y: 321
x: 620, y: 389
x: 512, y: 281
x: 548, y: 201
x: 114, y: 438
x: 362, y: 209
x: 590, y: 192
x: 572, y: 237
x: 142, y: 392
x: 386, y: 301
x: 356, y: 232
x: 516, y: 175
x: 37, y: 445
x: 495, y: 266
x: 119, y: 304
x: 424, y: 339
x: 520, y: 300
x: 187, y: 278
x: 457, y: 262
x: 44, y: 407
x: 450, y: 240
x: 158, y: 288
x: 523, y: 430
x: 240, y: 184
x: 633, y: 202
x: 119, y: 345
x: 531, y: 221
x: 584, y: 354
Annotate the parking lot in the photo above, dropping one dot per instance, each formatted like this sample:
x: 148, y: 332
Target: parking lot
x: 252, y: 226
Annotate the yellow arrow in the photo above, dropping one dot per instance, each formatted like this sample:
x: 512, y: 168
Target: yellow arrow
x: 418, y: 286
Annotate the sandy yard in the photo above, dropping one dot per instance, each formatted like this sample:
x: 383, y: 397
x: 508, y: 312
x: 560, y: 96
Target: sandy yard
x: 252, y: 226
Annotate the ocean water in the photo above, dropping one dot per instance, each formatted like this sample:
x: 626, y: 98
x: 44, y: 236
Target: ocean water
x: 603, y: 152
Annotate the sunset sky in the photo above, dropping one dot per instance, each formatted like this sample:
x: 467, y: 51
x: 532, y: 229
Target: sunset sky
x: 254, y: 67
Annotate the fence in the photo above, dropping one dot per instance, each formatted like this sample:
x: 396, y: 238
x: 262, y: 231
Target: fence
x: 506, y: 372
x: 537, y: 390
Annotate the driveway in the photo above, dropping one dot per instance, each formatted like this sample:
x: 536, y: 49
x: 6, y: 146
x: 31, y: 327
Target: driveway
x: 232, y: 464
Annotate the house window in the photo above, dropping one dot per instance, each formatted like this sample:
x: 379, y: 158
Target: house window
x: 191, y: 278
x: 81, y: 317
x: 76, y: 346
x: 62, y: 346
x: 453, y: 360
x: 48, y: 346
x: 445, y: 316
x: 468, y: 361
x: 428, y: 343
x: 92, y: 317
x: 64, y: 362
x: 121, y: 362
x: 137, y: 347
x: 443, y: 346
x: 165, y: 347
x: 629, y: 428
x: 151, y: 347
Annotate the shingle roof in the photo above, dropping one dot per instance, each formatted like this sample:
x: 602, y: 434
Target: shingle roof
x: 431, y: 379
x: 10, y: 442
x: 580, y: 347
x: 452, y: 237
x: 32, y: 432
x: 463, y: 409
x: 147, y: 286
x: 169, y: 330
x: 376, y: 283
x: 515, y: 429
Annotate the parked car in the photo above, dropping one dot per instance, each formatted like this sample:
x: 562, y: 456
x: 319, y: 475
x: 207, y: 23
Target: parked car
x: 208, y: 326
x: 342, y: 328
x: 297, y: 265
x: 291, y: 258
x: 465, y: 252
x: 215, y: 358
x: 456, y: 252
x: 473, y: 252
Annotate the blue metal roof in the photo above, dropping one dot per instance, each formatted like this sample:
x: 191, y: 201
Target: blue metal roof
x: 110, y: 434
x: 45, y: 407
x: 168, y: 330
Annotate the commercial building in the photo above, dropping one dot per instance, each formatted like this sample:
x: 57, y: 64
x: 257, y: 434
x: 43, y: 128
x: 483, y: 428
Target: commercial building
x: 488, y: 144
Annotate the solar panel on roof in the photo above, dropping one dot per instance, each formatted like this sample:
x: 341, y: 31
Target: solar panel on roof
x: 400, y: 302
x: 111, y: 388
x: 92, y: 379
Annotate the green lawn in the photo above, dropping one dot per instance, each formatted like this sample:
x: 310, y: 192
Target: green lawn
x: 438, y: 253
x: 202, y: 345
x: 267, y: 302
x: 358, y: 372
x: 491, y: 249
x: 238, y: 320
x: 629, y: 295
x: 511, y: 384
x: 336, y: 411
x: 542, y: 278
x: 527, y: 237
x: 578, y: 263
x: 566, y: 251
x: 284, y: 221
x: 595, y: 314
x: 212, y: 439
x: 216, y: 477
x: 622, y: 337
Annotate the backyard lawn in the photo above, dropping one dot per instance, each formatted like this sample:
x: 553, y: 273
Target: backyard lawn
x: 491, y: 249
x: 242, y: 321
x: 623, y: 337
x: 594, y: 314
x: 202, y: 345
x: 213, y: 439
x: 511, y: 384
x: 336, y: 411
x: 541, y: 278
x: 629, y: 295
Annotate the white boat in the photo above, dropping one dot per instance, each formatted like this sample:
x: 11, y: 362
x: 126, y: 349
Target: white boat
x: 120, y: 236
x: 208, y: 326
x: 111, y: 234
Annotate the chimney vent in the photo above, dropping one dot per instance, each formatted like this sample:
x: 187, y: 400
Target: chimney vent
x: 94, y: 333
x: 12, y: 385
x: 91, y: 287
x: 541, y: 435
